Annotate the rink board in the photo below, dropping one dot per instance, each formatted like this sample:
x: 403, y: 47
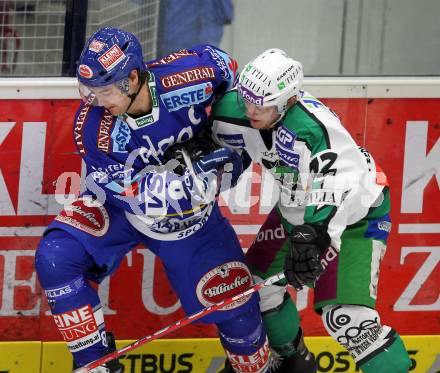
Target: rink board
x: 398, y: 120
x: 198, y: 355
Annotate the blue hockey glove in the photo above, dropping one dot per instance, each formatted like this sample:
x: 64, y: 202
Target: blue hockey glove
x: 225, y: 163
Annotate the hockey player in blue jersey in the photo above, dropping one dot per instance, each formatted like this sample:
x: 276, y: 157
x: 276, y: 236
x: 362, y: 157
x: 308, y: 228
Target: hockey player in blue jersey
x: 133, y: 113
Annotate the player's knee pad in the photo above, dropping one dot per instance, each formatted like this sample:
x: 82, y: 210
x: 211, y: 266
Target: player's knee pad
x: 271, y: 296
x: 375, y: 348
x: 61, y: 264
x: 59, y: 257
x: 245, y: 342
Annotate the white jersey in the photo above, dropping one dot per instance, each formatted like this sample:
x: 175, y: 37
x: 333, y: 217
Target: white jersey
x: 324, y: 177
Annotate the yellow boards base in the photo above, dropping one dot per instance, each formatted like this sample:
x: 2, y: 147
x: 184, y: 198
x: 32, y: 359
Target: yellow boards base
x: 198, y: 356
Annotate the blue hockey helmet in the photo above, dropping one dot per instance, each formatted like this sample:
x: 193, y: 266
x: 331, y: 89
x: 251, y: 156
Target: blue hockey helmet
x: 109, y: 56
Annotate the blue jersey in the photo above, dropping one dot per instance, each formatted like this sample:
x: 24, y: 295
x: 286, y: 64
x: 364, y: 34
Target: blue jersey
x: 121, y: 152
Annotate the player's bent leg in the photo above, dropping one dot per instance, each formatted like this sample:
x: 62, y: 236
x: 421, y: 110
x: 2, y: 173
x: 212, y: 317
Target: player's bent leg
x: 282, y: 322
x: 208, y: 267
x: 245, y: 342
x: 376, y: 348
x: 265, y: 258
x: 62, y: 265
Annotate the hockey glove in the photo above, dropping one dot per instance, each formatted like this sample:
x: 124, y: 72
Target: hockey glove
x: 221, y: 161
x: 217, y: 171
x: 196, y: 148
x: 302, y: 265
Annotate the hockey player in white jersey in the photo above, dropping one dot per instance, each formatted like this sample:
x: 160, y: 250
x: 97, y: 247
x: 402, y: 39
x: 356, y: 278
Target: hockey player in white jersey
x: 333, y: 211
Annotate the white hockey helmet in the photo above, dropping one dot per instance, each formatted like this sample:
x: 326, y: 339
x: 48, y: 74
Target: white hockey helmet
x: 271, y: 79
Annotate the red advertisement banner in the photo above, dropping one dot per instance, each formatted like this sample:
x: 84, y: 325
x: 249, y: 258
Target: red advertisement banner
x: 36, y: 148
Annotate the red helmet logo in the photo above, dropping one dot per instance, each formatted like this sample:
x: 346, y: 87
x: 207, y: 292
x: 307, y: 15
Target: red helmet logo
x: 112, y: 57
x: 85, y: 71
x: 96, y: 46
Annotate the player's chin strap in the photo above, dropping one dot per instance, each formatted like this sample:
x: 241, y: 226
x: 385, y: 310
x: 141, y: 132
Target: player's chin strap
x: 132, y: 96
x: 181, y: 323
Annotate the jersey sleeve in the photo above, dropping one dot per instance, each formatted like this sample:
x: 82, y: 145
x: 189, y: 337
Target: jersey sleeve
x: 196, y: 77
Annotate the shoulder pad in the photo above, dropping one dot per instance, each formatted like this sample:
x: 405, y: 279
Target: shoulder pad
x: 171, y: 58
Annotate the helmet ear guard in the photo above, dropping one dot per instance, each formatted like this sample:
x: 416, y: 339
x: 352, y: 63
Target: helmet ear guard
x: 271, y: 79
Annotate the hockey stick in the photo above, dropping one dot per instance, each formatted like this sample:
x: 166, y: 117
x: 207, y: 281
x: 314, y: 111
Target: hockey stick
x: 180, y: 324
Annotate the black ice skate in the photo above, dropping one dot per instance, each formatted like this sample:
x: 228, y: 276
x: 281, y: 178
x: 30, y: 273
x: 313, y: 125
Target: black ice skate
x: 302, y: 361
x: 113, y: 366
